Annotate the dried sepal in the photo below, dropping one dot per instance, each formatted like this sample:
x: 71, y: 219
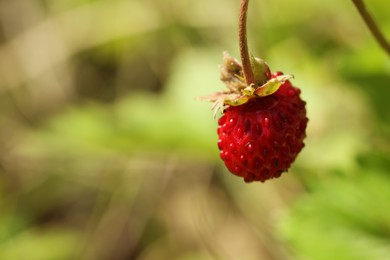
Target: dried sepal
x: 239, y: 92
x: 231, y: 73
x: 223, y: 99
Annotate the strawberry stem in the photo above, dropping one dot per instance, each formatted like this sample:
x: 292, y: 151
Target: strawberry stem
x: 243, y: 42
x: 372, y: 26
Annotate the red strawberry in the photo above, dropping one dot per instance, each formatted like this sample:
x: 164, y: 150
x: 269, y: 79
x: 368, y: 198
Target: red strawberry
x: 262, y: 129
x: 261, y: 138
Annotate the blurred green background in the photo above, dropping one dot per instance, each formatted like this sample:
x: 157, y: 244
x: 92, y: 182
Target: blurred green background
x: 105, y: 153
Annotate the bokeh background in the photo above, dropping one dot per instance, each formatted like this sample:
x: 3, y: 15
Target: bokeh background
x: 105, y: 153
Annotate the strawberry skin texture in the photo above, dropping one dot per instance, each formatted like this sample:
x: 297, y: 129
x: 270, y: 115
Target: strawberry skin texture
x: 260, y: 139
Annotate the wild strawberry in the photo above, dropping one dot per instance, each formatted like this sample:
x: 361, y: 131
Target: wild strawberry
x: 263, y: 125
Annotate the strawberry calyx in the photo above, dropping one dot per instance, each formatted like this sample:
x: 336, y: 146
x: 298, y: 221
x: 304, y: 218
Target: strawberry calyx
x: 239, y: 92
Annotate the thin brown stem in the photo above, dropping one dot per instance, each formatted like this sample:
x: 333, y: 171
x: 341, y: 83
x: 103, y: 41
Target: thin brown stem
x: 243, y: 42
x: 371, y: 24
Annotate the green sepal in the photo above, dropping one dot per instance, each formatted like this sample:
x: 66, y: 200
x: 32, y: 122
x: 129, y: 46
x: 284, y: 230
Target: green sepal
x: 260, y: 70
x: 271, y: 86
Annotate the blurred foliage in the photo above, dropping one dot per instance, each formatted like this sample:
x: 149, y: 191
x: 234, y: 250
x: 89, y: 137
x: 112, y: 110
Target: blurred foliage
x: 107, y: 154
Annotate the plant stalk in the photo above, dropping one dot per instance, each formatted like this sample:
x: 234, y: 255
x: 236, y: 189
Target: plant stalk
x: 243, y: 42
x: 372, y: 26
